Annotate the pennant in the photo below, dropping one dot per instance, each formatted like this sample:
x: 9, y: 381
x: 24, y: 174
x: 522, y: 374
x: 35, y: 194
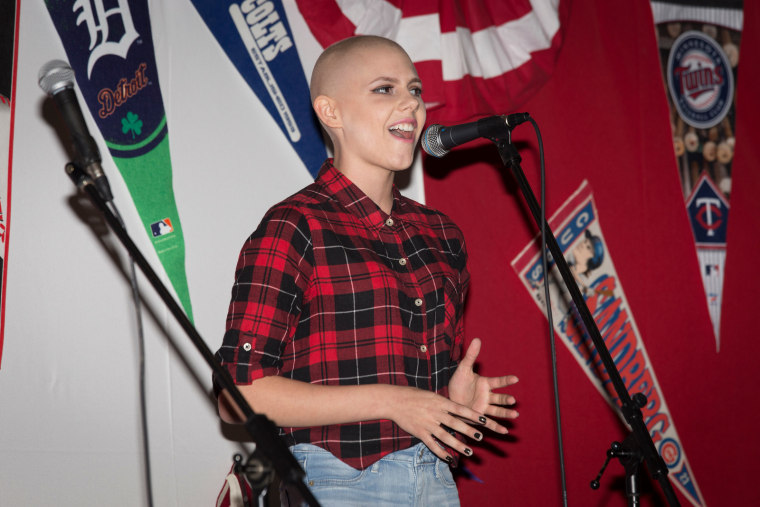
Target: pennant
x: 256, y: 37
x: 474, y: 58
x: 8, y: 19
x: 708, y: 214
x: 579, y: 234
x: 111, y: 52
x: 699, y: 53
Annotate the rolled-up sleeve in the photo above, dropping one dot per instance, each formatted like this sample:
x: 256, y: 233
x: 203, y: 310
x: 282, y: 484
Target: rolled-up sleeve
x: 272, y: 275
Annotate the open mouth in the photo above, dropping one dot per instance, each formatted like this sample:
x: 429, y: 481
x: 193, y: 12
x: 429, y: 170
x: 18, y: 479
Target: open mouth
x: 403, y: 130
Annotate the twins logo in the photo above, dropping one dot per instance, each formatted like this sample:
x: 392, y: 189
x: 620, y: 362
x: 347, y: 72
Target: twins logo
x: 699, y: 79
x: 708, y: 213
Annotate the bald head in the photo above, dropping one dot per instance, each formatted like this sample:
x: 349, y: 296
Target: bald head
x: 368, y: 98
x: 340, y: 58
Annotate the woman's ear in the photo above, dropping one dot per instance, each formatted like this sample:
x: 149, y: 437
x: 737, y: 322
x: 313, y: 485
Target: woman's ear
x: 326, y: 110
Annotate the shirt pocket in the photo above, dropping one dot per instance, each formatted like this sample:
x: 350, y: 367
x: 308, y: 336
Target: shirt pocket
x: 448, y: 311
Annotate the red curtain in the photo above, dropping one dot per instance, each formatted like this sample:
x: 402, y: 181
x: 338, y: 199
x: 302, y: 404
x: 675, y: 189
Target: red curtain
x: 604, y: 117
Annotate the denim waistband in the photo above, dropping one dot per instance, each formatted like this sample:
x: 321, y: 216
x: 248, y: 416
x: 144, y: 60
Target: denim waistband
x: 416, y: 455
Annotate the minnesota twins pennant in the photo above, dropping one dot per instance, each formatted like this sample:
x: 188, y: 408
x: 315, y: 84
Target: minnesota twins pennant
x: 257, y: 38
x: 579, y: 234
x: 699, y: 53
x: 110, y: 49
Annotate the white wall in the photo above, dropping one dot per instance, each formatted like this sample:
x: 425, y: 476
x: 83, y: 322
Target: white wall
x: 69, y: 405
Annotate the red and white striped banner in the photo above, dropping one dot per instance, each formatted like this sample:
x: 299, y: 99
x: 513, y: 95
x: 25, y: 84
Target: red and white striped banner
x: 476, y: 58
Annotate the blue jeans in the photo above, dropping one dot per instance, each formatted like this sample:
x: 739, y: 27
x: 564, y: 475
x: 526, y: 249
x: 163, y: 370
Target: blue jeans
x: 413, y: 476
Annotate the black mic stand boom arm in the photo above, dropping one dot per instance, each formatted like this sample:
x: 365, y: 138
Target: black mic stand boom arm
x: 639, y: 443
x: 261, y: 429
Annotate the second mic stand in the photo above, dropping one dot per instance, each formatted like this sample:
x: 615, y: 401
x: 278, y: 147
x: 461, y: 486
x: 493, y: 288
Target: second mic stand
x: 269, y: 445
x: 639, y: 445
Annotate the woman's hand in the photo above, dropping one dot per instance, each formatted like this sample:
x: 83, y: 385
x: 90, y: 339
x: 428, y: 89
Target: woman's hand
x: 476, y: 392
x: 427, y: 415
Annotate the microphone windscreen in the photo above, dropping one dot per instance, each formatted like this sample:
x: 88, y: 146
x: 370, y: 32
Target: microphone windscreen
x: 54, y: 76
x: 431, y: 141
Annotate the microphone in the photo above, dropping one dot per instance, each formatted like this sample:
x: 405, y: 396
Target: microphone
x: 56, y: 78
x: 437, y: 140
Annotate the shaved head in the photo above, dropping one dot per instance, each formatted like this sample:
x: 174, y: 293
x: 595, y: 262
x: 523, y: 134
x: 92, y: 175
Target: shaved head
x: 340, y: 58
x: 368, y: 98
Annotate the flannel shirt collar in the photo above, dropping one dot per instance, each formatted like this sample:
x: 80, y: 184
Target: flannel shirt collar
x: 356, y: 202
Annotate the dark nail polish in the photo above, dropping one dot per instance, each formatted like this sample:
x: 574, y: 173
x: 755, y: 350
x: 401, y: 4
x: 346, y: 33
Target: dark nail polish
x: 449, y: 460
x: 468, y: 451
x: 482, y: 419
x: 478, y: 436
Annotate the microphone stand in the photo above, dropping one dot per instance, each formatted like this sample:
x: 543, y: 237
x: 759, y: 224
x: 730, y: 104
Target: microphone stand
x: 638, y: 446
x: 270, y: 451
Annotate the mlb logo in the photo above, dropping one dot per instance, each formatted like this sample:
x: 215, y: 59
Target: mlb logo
x: 162, y: 227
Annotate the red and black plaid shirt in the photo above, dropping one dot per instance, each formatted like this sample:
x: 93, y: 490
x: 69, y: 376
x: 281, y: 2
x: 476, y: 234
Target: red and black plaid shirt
x: 331, y: 290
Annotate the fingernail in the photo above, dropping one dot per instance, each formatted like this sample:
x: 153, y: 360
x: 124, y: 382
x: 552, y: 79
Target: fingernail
x: 478, y: 436
x: 468, y: 451
x: 482, y: 419
x: 449, y: 460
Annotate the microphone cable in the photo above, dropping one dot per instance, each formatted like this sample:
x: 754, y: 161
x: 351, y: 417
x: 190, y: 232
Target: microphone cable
x: 547, y: 298
x: 141, y: 355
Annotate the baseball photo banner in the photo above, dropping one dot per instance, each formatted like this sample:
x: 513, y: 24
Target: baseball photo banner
x: 699, y: 52
x: 579, y: 234
x: 257, y: 38
x: 110, y: 49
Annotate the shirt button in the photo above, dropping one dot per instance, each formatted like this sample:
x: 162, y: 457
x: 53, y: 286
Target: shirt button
x: 418, y: 302
x: 402, y: 261
x: 423, y: 348
x: 247, y: 347
x: 389, y: 222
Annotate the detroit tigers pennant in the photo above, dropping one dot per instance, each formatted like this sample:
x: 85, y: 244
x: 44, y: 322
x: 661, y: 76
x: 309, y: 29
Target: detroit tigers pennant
x: 111, y: 53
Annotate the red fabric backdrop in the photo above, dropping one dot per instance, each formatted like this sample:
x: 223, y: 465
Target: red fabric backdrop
x: 604, y: 117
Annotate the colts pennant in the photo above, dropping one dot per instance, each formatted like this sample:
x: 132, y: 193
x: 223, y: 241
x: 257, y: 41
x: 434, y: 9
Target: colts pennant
x: 257, y: 38
x: 111, y: 52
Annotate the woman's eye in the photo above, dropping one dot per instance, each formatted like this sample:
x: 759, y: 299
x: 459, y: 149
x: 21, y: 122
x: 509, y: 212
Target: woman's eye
x: 417, y: 92
x: 383, y: 89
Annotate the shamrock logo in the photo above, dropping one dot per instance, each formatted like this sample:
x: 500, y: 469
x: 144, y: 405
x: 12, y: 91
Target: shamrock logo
x: 132, y: 123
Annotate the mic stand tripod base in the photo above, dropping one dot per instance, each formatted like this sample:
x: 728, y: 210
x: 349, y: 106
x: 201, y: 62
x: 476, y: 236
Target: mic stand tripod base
x: 257, y: 474
x: 631, y: 458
